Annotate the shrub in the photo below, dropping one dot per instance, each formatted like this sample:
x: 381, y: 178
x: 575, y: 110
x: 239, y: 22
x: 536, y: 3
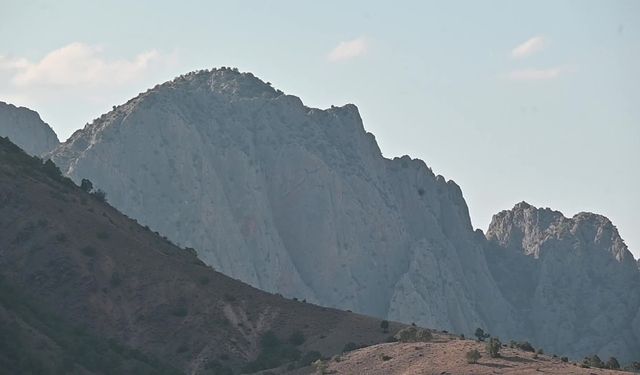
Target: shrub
x: 86, y: 185
x: 525, y: 346
x: 100, y: 195
x: 593, y: 361
x: 493, y: 347
x: 297, y: 338
x: 481, y: 335
x: 473, y: 356
x: 385, y: 357
x: 413, y: 334
x: 116, y: 280
x: 613, y: 363
x: 564, y: 359
x: 540, y: 351
x: 385, y: 326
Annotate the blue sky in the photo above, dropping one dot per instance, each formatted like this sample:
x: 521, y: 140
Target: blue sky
x: 535, y: 101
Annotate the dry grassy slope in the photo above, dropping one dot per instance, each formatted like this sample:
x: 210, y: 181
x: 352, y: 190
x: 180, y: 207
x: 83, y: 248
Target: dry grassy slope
x: 446, y: 355
x: 87, y: 262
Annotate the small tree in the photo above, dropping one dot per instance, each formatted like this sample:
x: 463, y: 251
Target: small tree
x: 613, y: 364
x: 493, y: 347
x: 481, y: 335
x: 473, y: 356
x: 100, y: 195
x: 86, y: 185
x: 385, y: 326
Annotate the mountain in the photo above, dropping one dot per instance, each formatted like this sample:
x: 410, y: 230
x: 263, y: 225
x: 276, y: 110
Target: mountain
x: 291, y: 199
x: 25, y: 128
x: 85, y: 289
x: 300, y: 201
x: 572, y: 280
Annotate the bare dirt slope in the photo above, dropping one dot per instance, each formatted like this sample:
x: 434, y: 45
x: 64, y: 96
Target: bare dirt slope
x: 446, y: 355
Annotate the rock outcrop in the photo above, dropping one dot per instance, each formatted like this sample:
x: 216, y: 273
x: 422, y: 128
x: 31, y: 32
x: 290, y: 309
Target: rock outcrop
x: 26, y: 129
x: 572, y: 280
x: 300, y: 201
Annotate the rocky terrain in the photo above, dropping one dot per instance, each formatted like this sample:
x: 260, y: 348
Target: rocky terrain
x: 25, y: 128
x: 300, y: 201
x: 85, y: 289
x: 573, y: 280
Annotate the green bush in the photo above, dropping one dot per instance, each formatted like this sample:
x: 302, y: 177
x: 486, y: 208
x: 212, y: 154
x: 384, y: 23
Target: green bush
x: 593, y: 361
x: 481, y: 335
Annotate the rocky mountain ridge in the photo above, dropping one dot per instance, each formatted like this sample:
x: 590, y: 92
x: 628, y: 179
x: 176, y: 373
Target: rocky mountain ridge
x: 300, y: 201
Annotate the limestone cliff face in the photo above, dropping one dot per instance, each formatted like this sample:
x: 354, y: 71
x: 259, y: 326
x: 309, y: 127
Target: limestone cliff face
x: 25, y: 128
x: 572, y: 279
x: 300, y: 201
x: 291, y: 199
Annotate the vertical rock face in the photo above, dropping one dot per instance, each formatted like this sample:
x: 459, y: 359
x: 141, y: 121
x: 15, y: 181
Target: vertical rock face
x: 25, y: 128
x: 573, y: 280
x: 300, y: 201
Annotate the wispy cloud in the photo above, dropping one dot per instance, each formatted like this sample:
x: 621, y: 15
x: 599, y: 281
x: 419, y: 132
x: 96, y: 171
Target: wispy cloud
x: 347, y: 50
x: 76, y: 64
x: 529, y: 47
x: 534, y: 74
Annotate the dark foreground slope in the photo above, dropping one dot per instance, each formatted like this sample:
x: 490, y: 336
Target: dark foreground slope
x: 74, y: 268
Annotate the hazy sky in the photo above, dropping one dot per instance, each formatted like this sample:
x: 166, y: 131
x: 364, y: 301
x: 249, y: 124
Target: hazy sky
x: 535, y: 101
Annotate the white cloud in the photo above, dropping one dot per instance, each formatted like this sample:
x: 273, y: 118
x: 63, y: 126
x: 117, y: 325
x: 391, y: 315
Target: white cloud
x: 76, y: 64
x: 528, y: 48
x: 533, y: 74
x: 348, y: 50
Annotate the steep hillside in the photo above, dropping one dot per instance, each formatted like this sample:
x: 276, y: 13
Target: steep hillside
x: 25, y: 128
x: 76, y: 259
x: 572, y: 279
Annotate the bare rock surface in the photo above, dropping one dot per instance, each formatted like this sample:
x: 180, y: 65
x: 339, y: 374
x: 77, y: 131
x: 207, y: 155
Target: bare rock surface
x: 26, y: 129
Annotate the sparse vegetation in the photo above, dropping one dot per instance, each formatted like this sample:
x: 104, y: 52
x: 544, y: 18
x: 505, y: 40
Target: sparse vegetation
x: 481, y: 335
x: 523, y: 345
x: 473, y: 356
x: 86, y: 185
x: 273, y: 353
x: 493, y: 347
x: 413, y: 334
x: 297, y: 338
x: 385, y: 326
x: 593, y: 361
x: 564, y: 359
x: 612, y: 363
x: 99, y: 195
